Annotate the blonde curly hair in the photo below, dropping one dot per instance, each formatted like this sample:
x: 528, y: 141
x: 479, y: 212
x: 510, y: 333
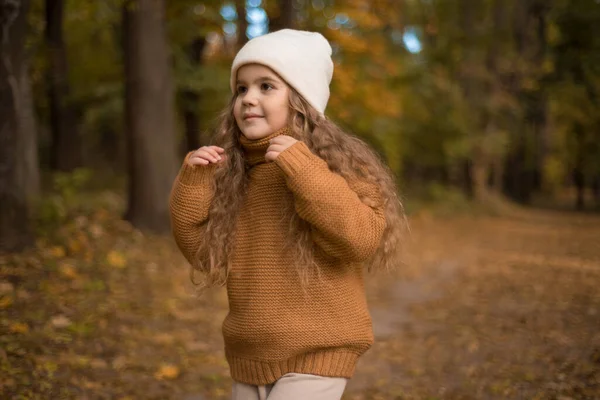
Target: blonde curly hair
x: 329, y: 142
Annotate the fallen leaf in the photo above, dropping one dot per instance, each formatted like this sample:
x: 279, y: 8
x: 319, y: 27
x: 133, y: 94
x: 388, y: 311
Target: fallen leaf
x: 96, y: 231
x: 119, y: 362
x: 68, y: 271
x: 75, y: 246
x: 19, y: 327
x: 57, y: 252
x: 81, y: 221
x: 164, y: 339
x: 91, y: 385
x: 167, y: 371
x: 473, y: 347
x: 60, y: 321
x: 197, y: 346
x: 116, y: 259
x: 5, y: 301
x: 98, y: 363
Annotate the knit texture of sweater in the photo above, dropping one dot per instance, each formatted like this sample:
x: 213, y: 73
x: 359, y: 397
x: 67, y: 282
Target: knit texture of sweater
x: 274, y: 326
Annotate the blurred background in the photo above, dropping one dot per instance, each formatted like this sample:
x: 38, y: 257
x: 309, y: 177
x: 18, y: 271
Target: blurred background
x: 487, y: 111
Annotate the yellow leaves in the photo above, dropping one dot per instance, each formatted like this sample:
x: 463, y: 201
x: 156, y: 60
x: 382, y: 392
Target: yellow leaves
x: 167, y: 371
x: 350, y: 43
x: 383, y: 102
x: 365, y: 19
x: 346, y: 78
x: 18, y: 327
x: 377, y: 49
x: 116, y: 259
x: 391, y: 67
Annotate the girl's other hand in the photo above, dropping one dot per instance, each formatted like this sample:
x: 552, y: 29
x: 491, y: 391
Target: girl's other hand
x: 277, y: 145
x: 206, y: 155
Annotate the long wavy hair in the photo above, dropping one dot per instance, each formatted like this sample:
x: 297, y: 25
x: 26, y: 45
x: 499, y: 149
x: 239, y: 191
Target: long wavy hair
x: 325, y: 139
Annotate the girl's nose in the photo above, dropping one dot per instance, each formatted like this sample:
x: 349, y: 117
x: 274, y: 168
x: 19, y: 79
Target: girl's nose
x: 249, y: 98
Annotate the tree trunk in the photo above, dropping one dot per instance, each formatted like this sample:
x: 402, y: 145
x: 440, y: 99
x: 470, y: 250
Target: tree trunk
x: 519, y: 171
x: 242, y: 25
x: 191, y: 99
x: 15, y: 233
x: 539, y: 106
x: 596, y: 190
x: 476, y: 169
x: 149, y: 114
x: 467, y: 183
x: 480, y: 171
x: 495, y: 172
x: 29, y: 167
x: 285, y: 18
x: 66, y: 142
x: 579, y: 179
x: 579, y: 170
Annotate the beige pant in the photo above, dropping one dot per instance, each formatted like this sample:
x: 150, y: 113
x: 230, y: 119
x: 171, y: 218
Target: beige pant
x: 293, y: 387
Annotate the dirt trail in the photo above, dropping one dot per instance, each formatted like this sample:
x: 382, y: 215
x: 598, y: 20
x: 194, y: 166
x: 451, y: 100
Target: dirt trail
x: 487, y: 308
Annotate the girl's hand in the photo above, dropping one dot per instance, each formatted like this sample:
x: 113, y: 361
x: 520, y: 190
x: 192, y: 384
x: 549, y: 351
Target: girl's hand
x: 206, y: 155
x: 278, y: 145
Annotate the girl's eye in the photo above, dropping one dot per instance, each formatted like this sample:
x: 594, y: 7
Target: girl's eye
x: 241, y: 89
x: 266, y: 86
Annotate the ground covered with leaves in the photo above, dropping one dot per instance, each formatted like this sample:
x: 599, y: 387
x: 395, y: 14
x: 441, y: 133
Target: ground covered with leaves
x: 486, y: 307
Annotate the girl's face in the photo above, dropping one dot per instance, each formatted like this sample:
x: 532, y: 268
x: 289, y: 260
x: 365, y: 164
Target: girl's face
x: 262, y: 103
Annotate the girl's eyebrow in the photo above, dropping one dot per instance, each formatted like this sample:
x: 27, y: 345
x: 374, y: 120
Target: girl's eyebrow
x: 262, y: 78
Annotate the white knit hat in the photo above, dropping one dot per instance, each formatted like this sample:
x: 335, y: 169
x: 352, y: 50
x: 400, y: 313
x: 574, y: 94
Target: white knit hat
x: 301, y: 58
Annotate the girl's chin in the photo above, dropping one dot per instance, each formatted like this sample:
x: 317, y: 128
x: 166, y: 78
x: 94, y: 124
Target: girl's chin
x: 256, y: 133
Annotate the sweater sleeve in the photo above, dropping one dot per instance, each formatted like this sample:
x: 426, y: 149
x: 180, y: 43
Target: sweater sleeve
x: 190, y: 199
x: 343, y: 226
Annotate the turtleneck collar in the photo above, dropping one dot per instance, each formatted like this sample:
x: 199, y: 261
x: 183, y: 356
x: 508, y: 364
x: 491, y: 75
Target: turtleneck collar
x: 255, y: 150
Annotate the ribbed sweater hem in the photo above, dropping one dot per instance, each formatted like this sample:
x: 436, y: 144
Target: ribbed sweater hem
x: 337, y: 363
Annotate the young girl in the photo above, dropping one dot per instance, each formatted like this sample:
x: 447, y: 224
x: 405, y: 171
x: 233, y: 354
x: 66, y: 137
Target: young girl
x: 285, y: 210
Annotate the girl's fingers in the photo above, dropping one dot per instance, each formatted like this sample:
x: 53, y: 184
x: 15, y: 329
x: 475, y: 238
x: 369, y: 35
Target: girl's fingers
x: 214, y: 153
x: 271, y: 155
x: 276, y: 147
x: 197, y: 161
x: 208, y: 154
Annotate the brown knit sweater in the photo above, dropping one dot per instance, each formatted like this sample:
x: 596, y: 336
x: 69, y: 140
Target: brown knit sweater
x: 273, y: 328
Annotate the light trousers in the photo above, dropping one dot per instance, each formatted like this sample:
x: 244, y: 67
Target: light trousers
x: 293, y: 387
